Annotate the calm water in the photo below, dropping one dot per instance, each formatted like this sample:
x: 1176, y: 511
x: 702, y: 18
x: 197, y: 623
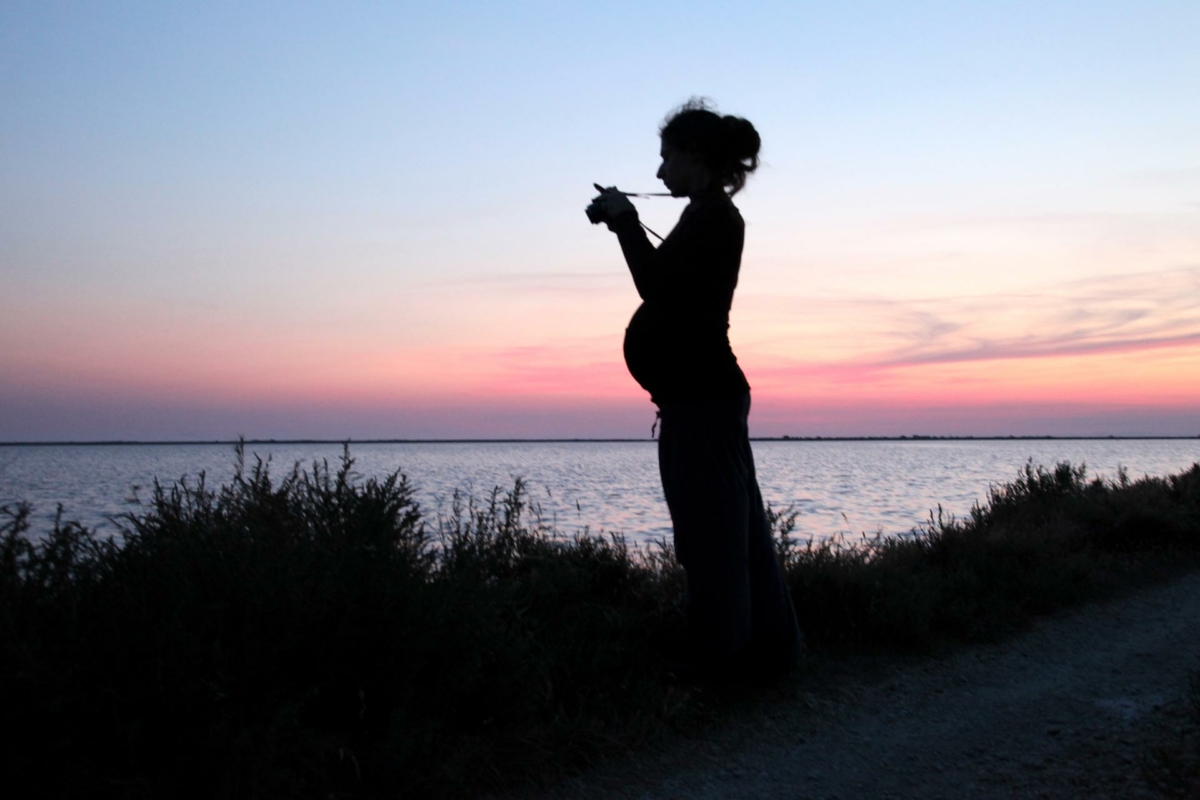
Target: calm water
x: 847, y: 487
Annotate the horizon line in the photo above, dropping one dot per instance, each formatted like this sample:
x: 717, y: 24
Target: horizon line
x: 784, y: 438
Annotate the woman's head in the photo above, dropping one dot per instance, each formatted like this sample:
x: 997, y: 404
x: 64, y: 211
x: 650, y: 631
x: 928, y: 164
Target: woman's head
x: 726, y: 147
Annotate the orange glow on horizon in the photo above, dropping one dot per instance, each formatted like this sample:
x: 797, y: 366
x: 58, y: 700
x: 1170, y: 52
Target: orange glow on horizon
x: 843, y: 364
x: 582, y: 373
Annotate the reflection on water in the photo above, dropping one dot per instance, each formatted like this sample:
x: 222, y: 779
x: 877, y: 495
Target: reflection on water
x: 848, y: 487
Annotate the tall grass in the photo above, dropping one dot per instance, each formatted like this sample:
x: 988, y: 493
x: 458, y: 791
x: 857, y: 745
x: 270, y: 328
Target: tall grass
x: 320, y: 633
x: 1048, y: 539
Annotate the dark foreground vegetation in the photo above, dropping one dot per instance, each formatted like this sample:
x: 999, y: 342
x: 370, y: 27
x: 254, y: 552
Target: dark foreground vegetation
x: 320, y: 635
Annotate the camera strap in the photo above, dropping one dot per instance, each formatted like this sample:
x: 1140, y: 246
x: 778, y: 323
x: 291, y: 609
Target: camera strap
x: 644, y: 225
x: 602, y: 190
x: 647, y: 227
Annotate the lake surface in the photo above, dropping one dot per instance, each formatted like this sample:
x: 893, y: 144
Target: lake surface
x: 836, y: 486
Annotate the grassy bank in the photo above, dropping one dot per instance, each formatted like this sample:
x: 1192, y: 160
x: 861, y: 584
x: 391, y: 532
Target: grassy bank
x: 321, y: 634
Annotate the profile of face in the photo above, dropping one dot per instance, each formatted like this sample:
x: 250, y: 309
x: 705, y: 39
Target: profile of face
x: 682, y: 172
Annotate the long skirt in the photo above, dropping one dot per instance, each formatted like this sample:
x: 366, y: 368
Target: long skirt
x: 739, y: 610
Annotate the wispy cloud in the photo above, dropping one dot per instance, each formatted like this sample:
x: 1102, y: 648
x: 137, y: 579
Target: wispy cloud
x: 1187, y: 176
x: 1106, y: 314
x: 537, y: 282
x: 1115, y: 313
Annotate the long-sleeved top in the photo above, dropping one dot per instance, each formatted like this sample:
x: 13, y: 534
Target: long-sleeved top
x: 677, y: 343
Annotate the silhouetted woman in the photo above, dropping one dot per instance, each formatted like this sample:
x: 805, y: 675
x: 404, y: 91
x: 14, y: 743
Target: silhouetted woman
x: 739, y: 614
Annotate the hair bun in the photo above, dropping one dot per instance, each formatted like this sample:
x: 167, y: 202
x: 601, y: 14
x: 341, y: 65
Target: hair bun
x: 743, y: 138
x: 727, y: 144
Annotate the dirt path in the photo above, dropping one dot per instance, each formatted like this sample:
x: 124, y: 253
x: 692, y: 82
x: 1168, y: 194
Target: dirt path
x: 1069, y: 708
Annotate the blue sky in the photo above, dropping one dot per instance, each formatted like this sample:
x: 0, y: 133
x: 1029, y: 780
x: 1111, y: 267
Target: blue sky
x: 365, y: 190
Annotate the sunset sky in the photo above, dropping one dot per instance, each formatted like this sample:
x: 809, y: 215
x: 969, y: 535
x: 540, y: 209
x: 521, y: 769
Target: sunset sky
x: 365, y: 220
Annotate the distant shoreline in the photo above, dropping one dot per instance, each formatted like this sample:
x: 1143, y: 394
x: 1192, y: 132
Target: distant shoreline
x: 915, y: 438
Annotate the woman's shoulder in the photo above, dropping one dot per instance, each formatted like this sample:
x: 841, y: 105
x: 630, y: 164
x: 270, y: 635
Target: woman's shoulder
x: 716, y: 208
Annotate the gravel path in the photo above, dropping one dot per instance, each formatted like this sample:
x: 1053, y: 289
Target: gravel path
x: 1069, y: 708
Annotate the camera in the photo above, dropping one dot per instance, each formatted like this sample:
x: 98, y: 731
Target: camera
x: 595, y: 212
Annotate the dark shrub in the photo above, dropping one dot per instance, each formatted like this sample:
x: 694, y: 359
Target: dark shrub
x: 320, y: 635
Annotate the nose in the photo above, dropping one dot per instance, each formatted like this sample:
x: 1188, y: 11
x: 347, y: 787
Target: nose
x: 659, y: 174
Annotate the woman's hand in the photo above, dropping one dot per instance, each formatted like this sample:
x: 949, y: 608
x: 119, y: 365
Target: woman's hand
x: 615, y: 205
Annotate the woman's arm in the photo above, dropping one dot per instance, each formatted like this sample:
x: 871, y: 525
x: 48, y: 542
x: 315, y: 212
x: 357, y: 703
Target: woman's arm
x: 638, y: 251
x: 699, y: 257
x: 622, y: 219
